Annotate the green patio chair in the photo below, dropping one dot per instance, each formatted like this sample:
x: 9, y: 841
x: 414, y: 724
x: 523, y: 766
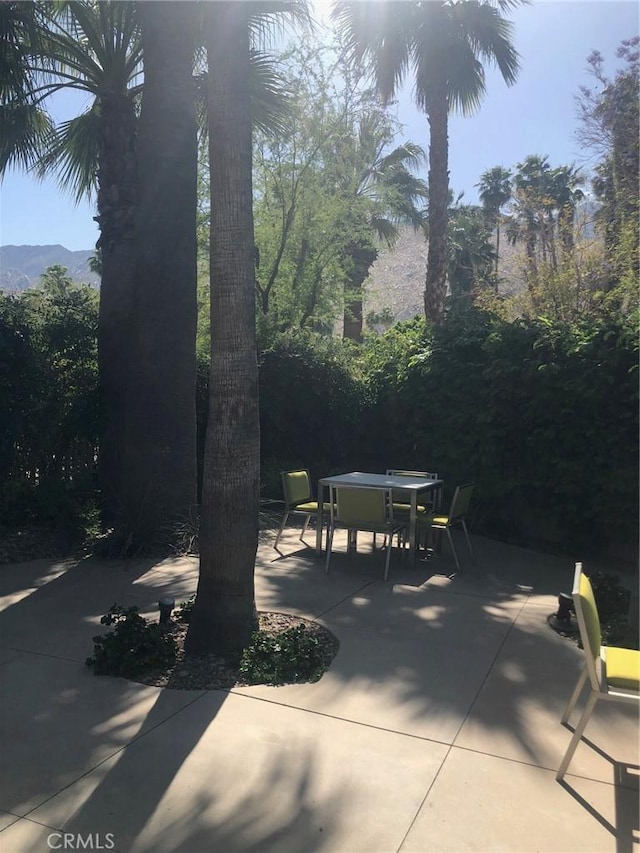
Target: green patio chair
x: 456, y: 516
x: 298, y: 498
x: 368, y: 509
x: 611, y: 673
x: 428, y: 504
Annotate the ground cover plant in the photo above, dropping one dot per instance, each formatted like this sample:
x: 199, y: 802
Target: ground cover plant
x: 285, y: 649
x: 133, y: 647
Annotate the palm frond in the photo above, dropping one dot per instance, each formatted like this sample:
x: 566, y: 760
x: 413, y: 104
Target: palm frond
x: 270, y: 19
x: 410, y: 155
x: 384, y: 230
x: 377, y: 35
x: 490, y: 36
x: 271, y: 97
x: 24, y: 132
x: 97, y: 45
x: 73, y: 154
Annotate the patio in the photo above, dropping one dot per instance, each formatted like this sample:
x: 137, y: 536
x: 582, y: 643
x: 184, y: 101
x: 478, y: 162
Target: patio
x: 436, y: 728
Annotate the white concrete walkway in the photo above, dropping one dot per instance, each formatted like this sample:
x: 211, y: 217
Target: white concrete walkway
x: 436, y: 728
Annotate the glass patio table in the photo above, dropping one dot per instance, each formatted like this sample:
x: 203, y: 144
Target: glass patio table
x: 415, y: 486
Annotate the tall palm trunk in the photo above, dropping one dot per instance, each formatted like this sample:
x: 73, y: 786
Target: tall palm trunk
x: 437, y: 257
x: 362, y: 255
x: 116, y: 202
x: 224, y: 614
x: 566, y: 217
x: 161, y: 451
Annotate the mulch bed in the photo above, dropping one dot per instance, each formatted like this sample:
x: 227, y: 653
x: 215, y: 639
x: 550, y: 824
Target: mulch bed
x: 210, y: 672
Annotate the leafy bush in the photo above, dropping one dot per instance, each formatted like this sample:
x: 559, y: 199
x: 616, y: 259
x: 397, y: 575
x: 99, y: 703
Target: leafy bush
x: 51, y: 504
x: 311, y: 399
x: 612, y: 601
x: 541, y: 415
x: 295, y: 655
x: 134, y: 647
x: 49, y: 400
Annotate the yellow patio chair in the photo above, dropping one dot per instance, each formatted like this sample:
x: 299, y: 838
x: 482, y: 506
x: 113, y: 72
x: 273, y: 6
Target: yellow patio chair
x: 361, y: 508
x: 296, y: 486
x: 429, y: 503
x: 456, y: 515
x: 611, y: 673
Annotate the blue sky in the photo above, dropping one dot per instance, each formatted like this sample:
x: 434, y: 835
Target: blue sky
x: 535, y: 116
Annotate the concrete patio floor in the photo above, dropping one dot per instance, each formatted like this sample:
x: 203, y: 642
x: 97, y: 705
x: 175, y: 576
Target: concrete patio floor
x: 436, y: 728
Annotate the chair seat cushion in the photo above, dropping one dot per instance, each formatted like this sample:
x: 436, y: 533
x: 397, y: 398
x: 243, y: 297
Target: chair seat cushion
x: 405, y: 509
x: 623, y: 668
x: 311, y: 506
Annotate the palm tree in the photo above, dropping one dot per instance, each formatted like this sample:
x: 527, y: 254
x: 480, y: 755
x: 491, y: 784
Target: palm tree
x: 224, y: 613
x: 390, y: 194
x: 565, y: 188
x: 161, y: 433
x: 495, y: 192
x: 444, y: 44
x: 94, y: 48
x: 532, y: 203
x: 471, y: 257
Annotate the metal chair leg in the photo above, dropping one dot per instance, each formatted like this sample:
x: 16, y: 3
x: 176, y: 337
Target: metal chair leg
x: 329, y: 546
x: 279, y: 534
x: 387, y: 562
x: 574, y: 696
x: 466, y: 533
x: 577, y: 734
x: 307, y: 519
x: 453, y: 548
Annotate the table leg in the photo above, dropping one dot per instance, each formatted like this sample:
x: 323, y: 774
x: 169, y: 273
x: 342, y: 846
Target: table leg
x: 319, y: 518
x: 413, y: 524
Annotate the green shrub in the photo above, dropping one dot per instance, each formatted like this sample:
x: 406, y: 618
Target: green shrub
x: 133, y: 648
x: 68, y: 508
x: 311, y: 399
x: 612, y: 601
x: 542, y: 415
x: 295, y: 655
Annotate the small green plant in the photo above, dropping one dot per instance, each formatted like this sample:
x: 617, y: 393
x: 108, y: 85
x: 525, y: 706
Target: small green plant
x: 183, y: 611
x: 295, y: 655
x: 134, y: 647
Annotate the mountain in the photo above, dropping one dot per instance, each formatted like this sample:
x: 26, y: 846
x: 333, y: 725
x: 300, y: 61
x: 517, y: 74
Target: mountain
x: 396, y: 279
x: 22, y: 266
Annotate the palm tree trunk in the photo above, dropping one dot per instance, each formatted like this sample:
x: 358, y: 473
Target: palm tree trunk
x: 224, y: 614
x: 566, y: 218
x: 437, y: 258
x: 361, y: 256
x: 161, y: 450
x: 116, y: 202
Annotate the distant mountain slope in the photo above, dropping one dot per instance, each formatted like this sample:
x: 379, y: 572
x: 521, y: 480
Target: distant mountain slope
x: 396, y: 279
x: 22, y: 266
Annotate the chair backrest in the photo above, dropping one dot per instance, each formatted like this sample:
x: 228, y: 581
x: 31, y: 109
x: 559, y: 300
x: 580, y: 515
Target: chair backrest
x: 296, y: 486
x: 461, y: 501
x: 402, y: 494
x: 588, y: 623
x: 360, y: 505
